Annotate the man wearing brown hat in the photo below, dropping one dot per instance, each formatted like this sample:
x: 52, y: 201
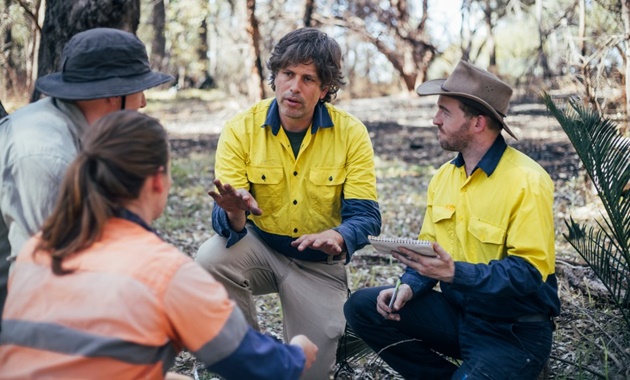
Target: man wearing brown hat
x: 102, y: 70
x: 489, y: 216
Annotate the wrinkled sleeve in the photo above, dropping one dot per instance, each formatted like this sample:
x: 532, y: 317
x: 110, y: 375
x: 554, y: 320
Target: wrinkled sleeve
x: 360, y: 212
x: 213, y: 328
x: 263, y: 359
x: 509, y: 277
x: 30, y: 198
x: 221, y: 226
x: 418, y: 283
x: 360, y: 218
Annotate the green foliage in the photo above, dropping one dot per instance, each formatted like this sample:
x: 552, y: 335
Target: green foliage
x: 605, y: 154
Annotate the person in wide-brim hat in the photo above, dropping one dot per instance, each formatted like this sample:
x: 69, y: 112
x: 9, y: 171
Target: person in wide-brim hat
x: 487, y: 92
x: 101, y: 63
x: 102, y: 70
x: 487, y: 296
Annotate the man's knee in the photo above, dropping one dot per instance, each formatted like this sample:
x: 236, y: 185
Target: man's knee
x: 361, y: 305
x: 211, y: 252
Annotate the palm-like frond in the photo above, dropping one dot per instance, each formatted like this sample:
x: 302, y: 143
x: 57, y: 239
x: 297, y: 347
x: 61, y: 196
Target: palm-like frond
x: 351, y: 348
x: 605, y: 154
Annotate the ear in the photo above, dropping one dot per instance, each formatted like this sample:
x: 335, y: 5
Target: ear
x: 113, y: 102
x: 481, y: 124
x: 323, y: 93
x: 158, y: 182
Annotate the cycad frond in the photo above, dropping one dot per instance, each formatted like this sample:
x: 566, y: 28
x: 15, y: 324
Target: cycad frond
x: 351, y: 348
x: 605, y: 154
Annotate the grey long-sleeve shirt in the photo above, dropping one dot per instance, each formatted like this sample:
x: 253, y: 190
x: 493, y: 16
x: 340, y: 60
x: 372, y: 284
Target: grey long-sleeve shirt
x: 37, y: 144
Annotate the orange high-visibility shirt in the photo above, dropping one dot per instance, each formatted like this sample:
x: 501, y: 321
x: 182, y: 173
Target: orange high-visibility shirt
x: 132, y: 302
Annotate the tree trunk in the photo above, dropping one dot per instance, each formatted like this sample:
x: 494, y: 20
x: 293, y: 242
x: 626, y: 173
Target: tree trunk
x: 625, y: 14
x: 308, y: 13
x: 582, y: 28
x: 542, y: 37
x: 158, y: 45
x: 492, y: 50
x: 65, y: 18
x: 465, y: 43
x: 11, y: 70
x: 33, y: 46
x: 257, y: 80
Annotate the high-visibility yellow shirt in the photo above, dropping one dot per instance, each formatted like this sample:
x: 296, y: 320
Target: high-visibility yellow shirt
x: 482, y: 217
x: 497, y: 224
x: 305, y: 194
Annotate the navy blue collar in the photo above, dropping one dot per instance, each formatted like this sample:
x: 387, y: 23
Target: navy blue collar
x: 490, y: 160
x: 321, y: 118
x: 123, y: 213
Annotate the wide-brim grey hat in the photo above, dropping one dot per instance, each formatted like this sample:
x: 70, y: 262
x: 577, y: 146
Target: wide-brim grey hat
x: 100, y: 63
x: 478, y: 85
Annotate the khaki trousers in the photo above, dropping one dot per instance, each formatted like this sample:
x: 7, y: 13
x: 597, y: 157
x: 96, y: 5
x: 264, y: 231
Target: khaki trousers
x: 312, y: 294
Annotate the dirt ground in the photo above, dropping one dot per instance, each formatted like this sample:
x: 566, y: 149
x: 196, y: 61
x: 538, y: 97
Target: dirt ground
x: 591, y: 340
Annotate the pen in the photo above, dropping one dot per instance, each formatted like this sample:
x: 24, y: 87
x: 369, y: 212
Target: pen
x: 391, y: 302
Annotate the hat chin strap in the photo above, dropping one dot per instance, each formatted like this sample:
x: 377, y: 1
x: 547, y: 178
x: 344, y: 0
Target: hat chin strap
x: 123, y: 102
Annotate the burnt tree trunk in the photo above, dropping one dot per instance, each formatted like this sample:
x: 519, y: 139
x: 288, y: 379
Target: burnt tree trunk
x: 202, y: 51
x: 308, y: 13
x: 257, y: 80
x: 65, y: 18
x: 158, y: 45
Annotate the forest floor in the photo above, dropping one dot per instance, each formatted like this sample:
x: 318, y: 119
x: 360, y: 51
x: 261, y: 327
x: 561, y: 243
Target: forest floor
x: 591, y: 340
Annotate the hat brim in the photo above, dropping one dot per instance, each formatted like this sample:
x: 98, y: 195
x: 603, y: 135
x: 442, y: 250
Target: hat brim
x: 434, y: 87
x: 54, y: 85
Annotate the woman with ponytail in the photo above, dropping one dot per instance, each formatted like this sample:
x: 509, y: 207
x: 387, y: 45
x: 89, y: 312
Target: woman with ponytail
x: 97, y: 294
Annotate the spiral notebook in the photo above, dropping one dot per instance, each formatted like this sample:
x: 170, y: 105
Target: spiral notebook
x: 386, y: 245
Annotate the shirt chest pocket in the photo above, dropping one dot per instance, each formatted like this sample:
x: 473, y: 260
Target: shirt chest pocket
x: 267, y: 186
x: 326, y: 188
x: 442, y: 214
x: 490, y: 239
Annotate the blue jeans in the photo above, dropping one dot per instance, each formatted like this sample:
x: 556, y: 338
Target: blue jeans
x: 432, y: 331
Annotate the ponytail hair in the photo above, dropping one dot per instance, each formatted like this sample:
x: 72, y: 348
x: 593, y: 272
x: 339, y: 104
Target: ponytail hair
x: 118, y: 153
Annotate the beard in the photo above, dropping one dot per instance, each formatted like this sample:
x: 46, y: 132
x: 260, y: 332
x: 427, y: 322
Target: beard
x: 456, y: 141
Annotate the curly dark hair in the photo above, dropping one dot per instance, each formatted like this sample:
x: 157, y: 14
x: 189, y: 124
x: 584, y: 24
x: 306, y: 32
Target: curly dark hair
x: 305, y: 46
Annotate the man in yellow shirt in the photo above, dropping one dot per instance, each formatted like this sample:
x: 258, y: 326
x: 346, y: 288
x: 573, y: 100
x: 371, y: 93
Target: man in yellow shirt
x: 489, y: 214
x: 295, y: 197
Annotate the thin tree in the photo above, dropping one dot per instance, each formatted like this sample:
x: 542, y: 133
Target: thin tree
x: 309, y: 7
x: 158, y: 45
x: 65, y: 18
x: 257, y: 79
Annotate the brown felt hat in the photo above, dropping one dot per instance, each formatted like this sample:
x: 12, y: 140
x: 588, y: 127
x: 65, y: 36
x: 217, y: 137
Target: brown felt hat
x: 478, y: 85
x: 101, y: 63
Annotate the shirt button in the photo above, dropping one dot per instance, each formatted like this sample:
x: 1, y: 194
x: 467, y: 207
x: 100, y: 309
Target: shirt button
x: 330, y: 178
x: 295, y: 201
x: 263, y: 177
x: 294, y: 173
x: 295, y: 230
